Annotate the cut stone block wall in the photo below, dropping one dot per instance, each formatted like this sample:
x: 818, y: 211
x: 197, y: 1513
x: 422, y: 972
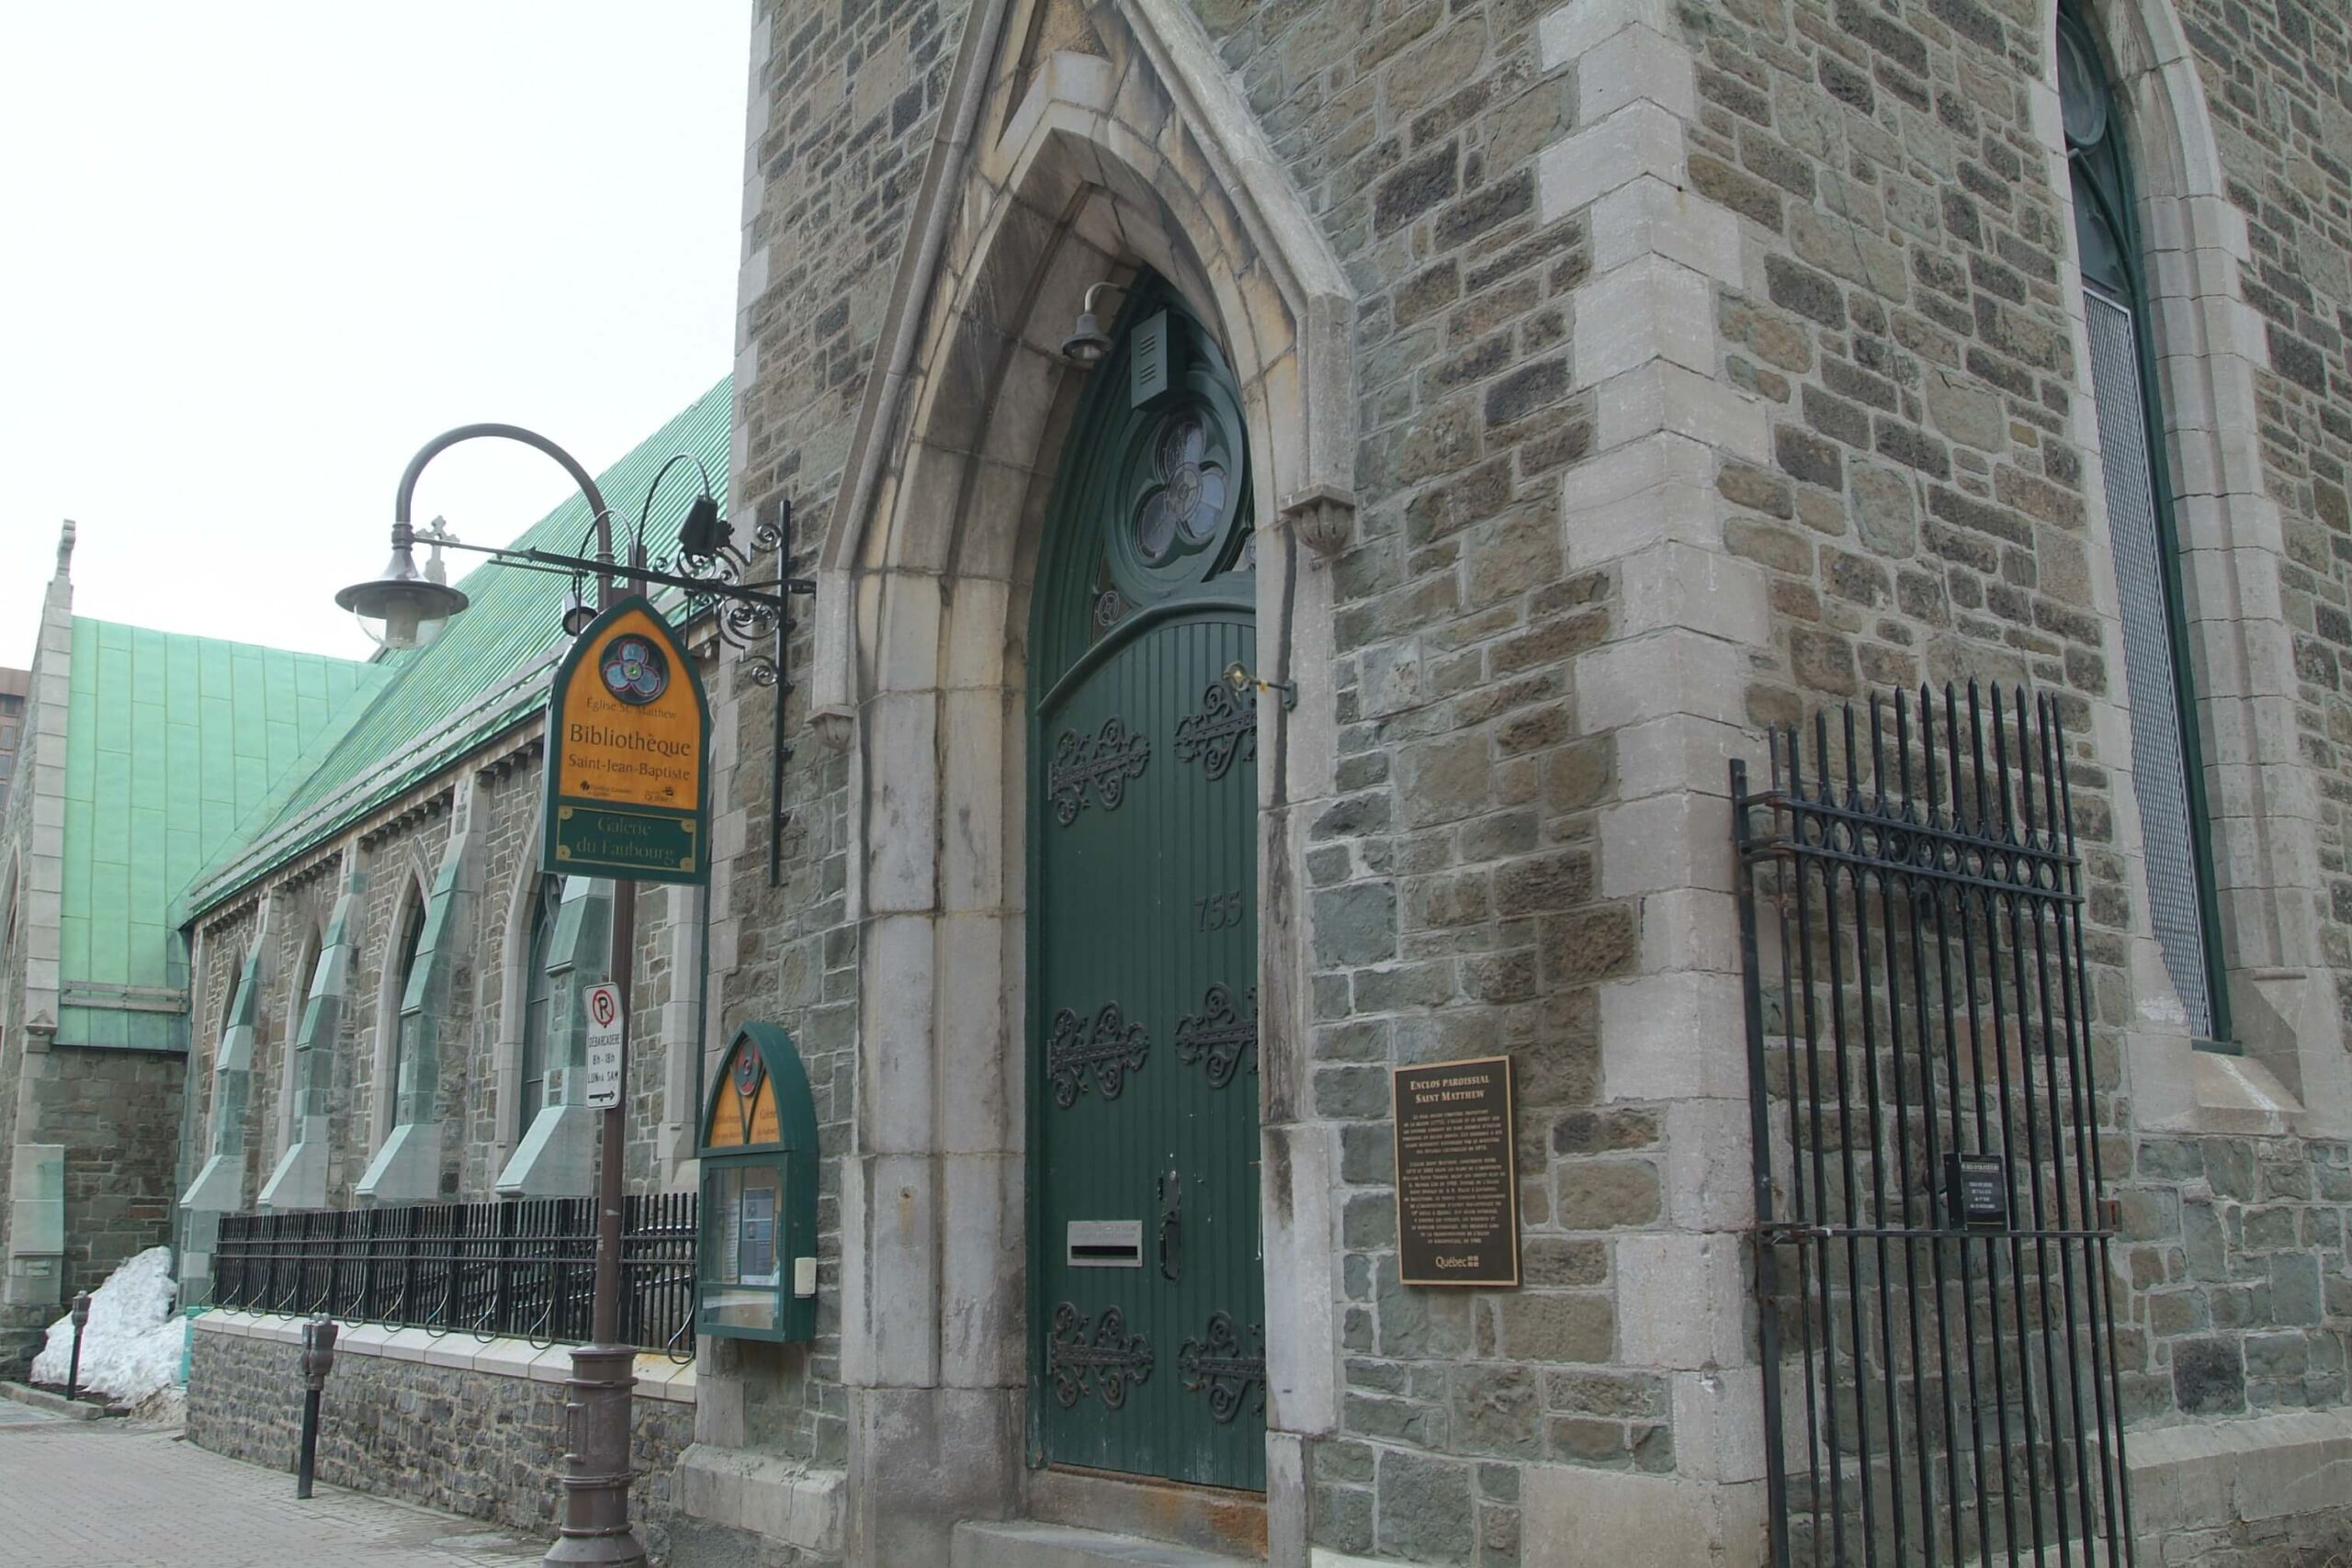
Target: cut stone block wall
x: 32, y: 838
x: 473, y: 1426
x: 117, y: 1115
x: 1714, y: 363
x: 2275, y: 1489
x: 1931, y: 511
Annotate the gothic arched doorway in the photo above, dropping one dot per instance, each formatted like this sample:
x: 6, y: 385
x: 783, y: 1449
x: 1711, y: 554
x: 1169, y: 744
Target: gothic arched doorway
x: 1147, y: 1339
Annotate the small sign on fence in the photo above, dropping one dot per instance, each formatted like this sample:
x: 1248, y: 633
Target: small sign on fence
x: 605, y: 1024
x: 1976, y: 1188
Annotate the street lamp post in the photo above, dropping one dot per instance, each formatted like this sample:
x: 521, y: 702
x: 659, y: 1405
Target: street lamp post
x: 403, y: 608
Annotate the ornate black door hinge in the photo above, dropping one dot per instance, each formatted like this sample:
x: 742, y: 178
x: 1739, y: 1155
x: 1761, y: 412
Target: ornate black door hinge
x: 1111, y: 1051
x: 1103, y: 768
x: 1227, y: 727
x: 1106, y: 1360
x: 1219, y: 1034
x: 1226, y: 1369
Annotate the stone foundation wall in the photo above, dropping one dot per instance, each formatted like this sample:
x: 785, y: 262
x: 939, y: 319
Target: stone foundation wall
x: 2241, y: 1296
x: 118, y: 1114
x: 2242, y: 1494
x: 21, y: 1331
x: 473, y: 1426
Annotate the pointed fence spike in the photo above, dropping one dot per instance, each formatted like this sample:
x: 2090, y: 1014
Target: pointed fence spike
x: 1877, y: 754
x: 1846, y: 728
x: 1902, y: 748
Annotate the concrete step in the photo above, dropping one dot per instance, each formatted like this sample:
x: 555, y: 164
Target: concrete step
x: 57, y: 1404
x: 1021, y: 1544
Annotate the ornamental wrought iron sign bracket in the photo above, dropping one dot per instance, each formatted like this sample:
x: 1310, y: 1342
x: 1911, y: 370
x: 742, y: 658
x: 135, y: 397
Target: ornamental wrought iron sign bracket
x: 708, y: 569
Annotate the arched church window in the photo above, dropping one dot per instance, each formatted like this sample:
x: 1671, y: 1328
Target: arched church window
x: 298, y: 1018
x: 539, y: 1000
x: 404, y: 967
x: 2167, y: 777
x: 1158, y: 468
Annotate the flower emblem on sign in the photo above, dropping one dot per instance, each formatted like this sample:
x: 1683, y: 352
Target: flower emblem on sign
x: 635, y: 670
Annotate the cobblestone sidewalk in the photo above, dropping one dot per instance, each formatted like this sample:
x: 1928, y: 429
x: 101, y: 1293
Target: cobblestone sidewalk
x: 96, y: 1494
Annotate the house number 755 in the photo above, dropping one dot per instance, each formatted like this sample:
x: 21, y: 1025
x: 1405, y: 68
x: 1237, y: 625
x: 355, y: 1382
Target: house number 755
x: 1218, y: 911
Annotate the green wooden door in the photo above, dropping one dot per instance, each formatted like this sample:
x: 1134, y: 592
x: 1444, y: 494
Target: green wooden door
x: 1147, y: 1331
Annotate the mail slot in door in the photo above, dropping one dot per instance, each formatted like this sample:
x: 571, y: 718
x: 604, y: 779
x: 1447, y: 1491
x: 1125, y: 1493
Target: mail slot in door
x: 1106, y: 1244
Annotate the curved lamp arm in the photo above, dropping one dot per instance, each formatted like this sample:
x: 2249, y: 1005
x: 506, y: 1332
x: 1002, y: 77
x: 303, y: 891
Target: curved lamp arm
x: 403, y: 505
x: 645, y: 513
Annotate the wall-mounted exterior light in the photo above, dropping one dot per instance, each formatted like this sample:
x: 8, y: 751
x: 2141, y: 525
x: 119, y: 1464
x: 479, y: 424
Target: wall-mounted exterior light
x: 1089, y: 345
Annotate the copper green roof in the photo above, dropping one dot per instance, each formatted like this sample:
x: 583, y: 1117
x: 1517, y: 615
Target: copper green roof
x: 483, y: 675
x: 170, y: 742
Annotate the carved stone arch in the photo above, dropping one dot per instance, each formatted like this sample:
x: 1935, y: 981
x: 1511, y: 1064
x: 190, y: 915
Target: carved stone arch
x: 1123, y: 151
x: 1045, y: 27
x: 1142, y: 155
x: 2212, y: 356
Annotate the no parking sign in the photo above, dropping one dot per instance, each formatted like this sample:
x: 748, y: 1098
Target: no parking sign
x: 605, y: 1029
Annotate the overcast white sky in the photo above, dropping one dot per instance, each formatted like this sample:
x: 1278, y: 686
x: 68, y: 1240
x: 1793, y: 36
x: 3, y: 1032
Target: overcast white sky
x: 253, y: 255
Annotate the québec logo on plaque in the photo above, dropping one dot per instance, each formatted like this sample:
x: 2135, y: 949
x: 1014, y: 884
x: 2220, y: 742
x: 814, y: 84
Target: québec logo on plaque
x: 628, y: 786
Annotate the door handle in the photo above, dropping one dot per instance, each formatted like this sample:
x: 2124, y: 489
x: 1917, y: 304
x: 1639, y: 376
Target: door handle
x: 1171, y: 1228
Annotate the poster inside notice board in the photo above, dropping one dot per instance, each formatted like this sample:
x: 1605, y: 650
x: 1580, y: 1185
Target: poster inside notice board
x: 1457, y: 1186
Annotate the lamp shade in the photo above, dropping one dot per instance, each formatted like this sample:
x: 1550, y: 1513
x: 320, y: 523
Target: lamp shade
x: 1089, y: 345
x: 579, y: 612
x: 401, y: 608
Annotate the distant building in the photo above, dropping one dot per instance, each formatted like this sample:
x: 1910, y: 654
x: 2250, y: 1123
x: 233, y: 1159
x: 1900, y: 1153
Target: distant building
x: 16, y: 685
x: 141, y: 751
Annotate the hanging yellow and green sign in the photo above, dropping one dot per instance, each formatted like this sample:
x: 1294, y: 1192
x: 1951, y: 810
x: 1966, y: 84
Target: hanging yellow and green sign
x: 629, y: 733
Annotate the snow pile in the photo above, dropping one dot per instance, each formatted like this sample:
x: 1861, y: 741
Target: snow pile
x: 164, y: 1407
x: 132, y: 1345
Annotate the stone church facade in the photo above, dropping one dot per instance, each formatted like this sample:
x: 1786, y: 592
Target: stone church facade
x: 1608, y: 381
x: 1308, y: 502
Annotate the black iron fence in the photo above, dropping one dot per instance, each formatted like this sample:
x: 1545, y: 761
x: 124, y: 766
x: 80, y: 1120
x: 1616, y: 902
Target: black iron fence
x: 1933, y: 1256
x: 524, y: 1267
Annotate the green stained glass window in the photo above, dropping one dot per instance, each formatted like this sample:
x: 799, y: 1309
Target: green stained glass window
x: 539, y: 1000
x: 412, y: 931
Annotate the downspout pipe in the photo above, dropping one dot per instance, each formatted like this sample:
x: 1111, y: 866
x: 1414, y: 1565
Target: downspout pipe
x: 702, y: 1018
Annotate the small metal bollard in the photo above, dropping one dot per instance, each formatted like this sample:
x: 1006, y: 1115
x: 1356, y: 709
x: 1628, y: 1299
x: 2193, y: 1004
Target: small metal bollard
x: 81, y: 1322
x: 318, y: 1359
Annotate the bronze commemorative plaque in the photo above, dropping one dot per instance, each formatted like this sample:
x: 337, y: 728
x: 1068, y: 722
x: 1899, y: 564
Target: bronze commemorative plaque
x: 1458, y: 1189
